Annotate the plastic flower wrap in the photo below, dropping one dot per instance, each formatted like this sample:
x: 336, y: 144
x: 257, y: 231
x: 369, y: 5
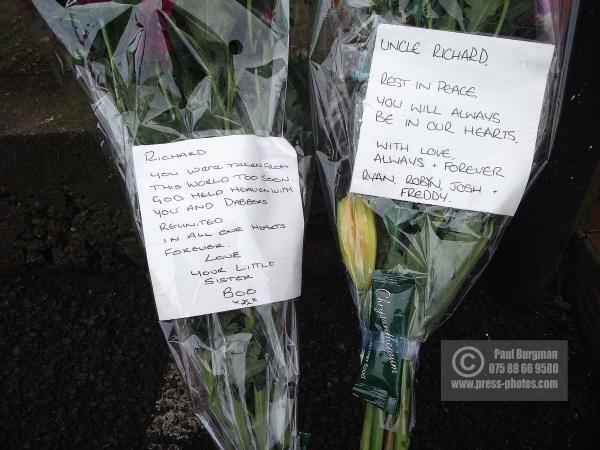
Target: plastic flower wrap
x: 410, y: 262
x: 169, y: 71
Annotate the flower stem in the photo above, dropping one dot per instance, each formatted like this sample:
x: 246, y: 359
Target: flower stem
x: 390, y: 440
x: 164, y: 92
x: 365, y: 440
x: 377, y: 433
x: 403, y: 431
x: 260, y: 423
x: 429, y: 15
x: 502, y: 17
x: 110, y: 58
x: 250, y: 18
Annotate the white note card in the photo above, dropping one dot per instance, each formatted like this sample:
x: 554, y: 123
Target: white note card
x: 451, y: 119
x: 223, y: 223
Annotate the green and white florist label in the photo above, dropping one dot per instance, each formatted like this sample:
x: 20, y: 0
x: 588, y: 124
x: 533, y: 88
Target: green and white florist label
x: 223, y: 223
x: 451, y: 119
x: 381, y: 365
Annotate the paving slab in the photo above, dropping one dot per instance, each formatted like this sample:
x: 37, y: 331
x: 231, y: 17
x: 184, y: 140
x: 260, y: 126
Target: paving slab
x: 23, y: 49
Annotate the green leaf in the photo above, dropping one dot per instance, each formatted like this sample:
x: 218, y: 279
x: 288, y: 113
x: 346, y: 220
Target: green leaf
x: 265, y: 71
x: 479, y: 11
x: 254, y: 367
x: 520, y: 9
x: 451, y: 14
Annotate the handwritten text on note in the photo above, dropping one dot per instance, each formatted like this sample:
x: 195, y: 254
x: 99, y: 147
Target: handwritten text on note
x: 451, y: 119
x: 223, y: 223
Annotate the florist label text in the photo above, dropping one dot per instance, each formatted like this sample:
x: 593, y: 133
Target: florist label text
x: 223, y: 223
x: 451, y: 119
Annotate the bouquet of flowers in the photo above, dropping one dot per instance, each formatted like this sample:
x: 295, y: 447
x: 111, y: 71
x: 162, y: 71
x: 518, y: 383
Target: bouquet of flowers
x: 166, y: 72
x: 410, y: 261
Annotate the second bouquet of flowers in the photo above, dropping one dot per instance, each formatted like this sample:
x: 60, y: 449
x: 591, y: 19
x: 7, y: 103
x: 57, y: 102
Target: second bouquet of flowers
x: 431, y: 119
x: 190, y: 97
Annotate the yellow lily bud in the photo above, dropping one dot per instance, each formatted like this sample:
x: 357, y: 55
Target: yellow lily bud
x: 358, y: 239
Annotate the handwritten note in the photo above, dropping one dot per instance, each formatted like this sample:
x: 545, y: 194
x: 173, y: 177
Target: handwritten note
x: 451, y: 119
x: 222, y: 221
